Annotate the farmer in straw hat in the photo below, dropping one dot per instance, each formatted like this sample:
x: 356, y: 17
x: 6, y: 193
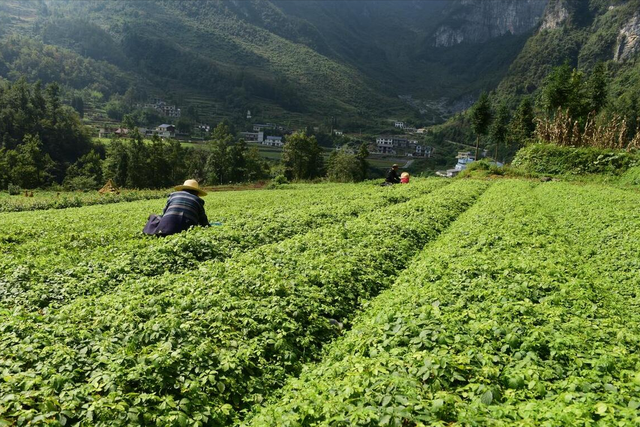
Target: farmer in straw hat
x: 185, y: 209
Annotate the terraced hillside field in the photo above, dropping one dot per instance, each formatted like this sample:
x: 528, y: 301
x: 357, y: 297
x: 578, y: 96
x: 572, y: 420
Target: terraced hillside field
x: 436, y: 303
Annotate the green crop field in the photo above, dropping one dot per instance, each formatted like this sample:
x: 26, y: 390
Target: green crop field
x: 442, y: 302
x: 44, y: 199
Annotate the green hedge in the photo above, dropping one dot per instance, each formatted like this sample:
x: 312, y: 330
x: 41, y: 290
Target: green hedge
x: 555, y: 160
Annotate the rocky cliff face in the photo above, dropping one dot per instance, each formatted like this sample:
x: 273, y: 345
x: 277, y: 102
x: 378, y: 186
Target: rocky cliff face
x: 628, y: 43
x: 556, y: 14
x: 477, y: 21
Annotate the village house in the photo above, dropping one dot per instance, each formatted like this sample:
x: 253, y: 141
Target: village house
x: 166, y: 131
x: 464, y: 159
x: 387, y: 144
x: 164, y: 109
x: 146, y: 133
x: 417, y: 150
x: 258, y: 127
x: 252, y: 136
x: 401, y: 143
x: 384, y: 145
x: 105, y: 132
x: 121, y: 132
x: 399, y: 125
x: 273, y: 141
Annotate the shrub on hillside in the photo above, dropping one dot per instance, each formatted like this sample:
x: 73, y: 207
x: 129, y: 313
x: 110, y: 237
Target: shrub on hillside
x: 555, y: 160
x: 14, y: 190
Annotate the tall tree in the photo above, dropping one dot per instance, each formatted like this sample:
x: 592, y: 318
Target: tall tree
x: 158, y: 163
x: 176, y: 157
x: 481, y: 117
x: 567, y: 89
x: 218, y: 161
x: 363, y: 153
x: 237, y: 161
x: 500, y: 128
x: 343, y: 167
x: 302, y: 157
x: 77, y: 103
x: 598, y: 88
x: 116, y: 163
x: 557, y: 90
x: 5, y: 171
x: 53, y: 102
x: 30, y: 166
x: 257, y: 167
x: 523, y: 125
x: 138, y: 167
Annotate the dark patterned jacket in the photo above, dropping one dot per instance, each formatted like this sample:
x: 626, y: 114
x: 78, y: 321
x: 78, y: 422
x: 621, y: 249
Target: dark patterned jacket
x: 183, y: 210
x: 393, y: 176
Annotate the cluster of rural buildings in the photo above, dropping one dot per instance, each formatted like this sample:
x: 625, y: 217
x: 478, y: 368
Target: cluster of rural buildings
x: 269, y: 134
x: 162, y: 131
x: 408, y: 129
x: 406, y: 145
x: 259, y: 131
x: 162, y: 108
x: 399, y: 145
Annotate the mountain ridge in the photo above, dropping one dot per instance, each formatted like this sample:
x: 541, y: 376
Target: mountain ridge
x: 362, y: 61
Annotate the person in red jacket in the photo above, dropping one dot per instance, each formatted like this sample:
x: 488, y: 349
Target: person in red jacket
x: 404, y: 178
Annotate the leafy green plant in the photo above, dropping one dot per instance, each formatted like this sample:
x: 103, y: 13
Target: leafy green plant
x: 524, y: 312
x: 203, y: 346
x: 80, y: 262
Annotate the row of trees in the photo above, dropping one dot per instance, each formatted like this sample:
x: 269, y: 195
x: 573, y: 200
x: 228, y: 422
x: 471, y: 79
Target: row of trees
x: 40, y: 137
x: 134, y: 163
x: 43, y: 142
x: 504, y: 129
x: 572, y: 92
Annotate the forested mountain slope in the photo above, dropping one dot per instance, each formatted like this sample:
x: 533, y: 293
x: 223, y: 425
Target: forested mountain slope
x: 583, y: 33
x: 296, y: 58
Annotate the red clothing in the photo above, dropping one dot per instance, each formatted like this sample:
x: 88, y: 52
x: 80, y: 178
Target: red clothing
x: 404, y: 180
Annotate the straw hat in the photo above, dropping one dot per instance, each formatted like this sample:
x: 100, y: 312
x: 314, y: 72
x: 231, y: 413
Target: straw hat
x: 191, y: 184
x: 404, y: 174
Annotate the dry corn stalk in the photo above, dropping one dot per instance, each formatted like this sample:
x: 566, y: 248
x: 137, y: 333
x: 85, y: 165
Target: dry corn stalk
x: 562, y: 130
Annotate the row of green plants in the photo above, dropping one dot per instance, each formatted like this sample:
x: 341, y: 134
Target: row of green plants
x: 42, y: 200
x: 35, y: 232
x: 202, y: 347
x: 525, y: 313
x: 37, y: 275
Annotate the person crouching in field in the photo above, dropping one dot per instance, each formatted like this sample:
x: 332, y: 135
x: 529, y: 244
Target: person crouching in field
x: 392, y: 176
x: 184, y: 209
x: 404, y: 178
